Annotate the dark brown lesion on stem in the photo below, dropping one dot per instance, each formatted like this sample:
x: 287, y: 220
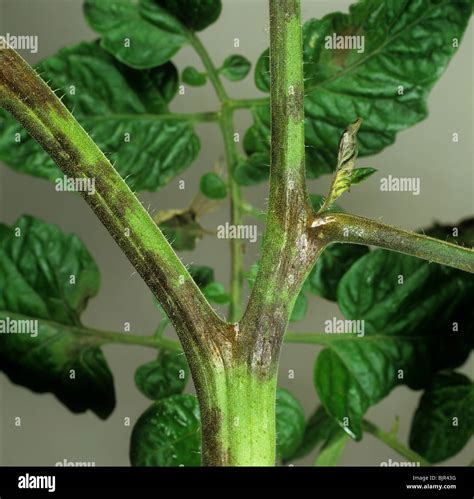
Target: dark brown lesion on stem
x: 267, y: 315
x: 17, y: 83
x: 289, y: 248
x: 213, y: 453
x: 208, y: 341
x: 48, y: 121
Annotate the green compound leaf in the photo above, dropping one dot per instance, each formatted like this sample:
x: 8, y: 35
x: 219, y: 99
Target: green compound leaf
x: 235, y: 67
x: 45, y: 273
x: 290, y: 424
x: 125, y: 110
x: 214, y: 291
x: 256, y: 168
x: 46, y: 280
x: 253, y: 170
x: 319, y: 427
x: 191, y: 76
x: 408, y: 307
x: 382, y: 279
x: 462, y: 233
x: 195, y: 14
x: 444, y: 420
x: 168, y: 434
x: 141, y: 35
x: 330, y: 267
x: 165, y: 376
x: 59, y: 360
x: 406, y: 50
x: 262, y: 72
x: 212, y: 186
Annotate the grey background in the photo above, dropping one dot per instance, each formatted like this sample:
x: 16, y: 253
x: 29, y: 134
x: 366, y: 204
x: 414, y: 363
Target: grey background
x: 49, y: 432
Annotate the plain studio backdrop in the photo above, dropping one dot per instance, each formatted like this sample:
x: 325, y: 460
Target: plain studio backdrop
x: 49, y: 432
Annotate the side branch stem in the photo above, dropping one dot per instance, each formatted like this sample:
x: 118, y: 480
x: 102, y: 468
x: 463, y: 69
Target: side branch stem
x: 29, y: 99
x: 226, y: 123
x: 103, y: 337
x: 345, y: 228
x: 391, y: 441
x: 236, y: 245
x: 208, y: 65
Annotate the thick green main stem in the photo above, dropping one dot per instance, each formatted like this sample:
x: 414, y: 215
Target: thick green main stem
x: 287, y: 253
x: 240, y: 429
x: 288, y: 250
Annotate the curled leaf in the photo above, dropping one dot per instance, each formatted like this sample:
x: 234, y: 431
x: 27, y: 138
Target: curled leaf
x: 345, y: 163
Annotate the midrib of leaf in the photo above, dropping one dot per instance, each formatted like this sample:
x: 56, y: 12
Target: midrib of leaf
x: 71, y: 312
x: 364, y: 97
x: 351, y: 372
x: 372, y: 54
x: 77, y: 330
x: 413, y: 277
x: 326, y: 339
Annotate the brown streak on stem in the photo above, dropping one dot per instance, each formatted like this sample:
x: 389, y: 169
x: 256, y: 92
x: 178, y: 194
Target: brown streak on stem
x: 208, y: 341
x: 289, y: 251
x: 345, y: 228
